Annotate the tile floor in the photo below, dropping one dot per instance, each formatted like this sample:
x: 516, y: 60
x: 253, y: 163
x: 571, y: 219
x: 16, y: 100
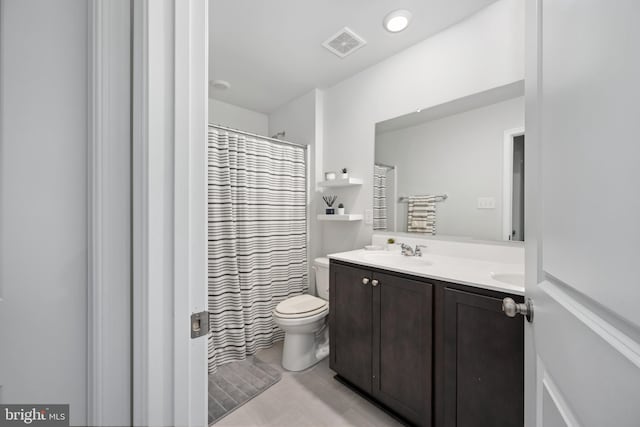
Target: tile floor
x: 308, y: 398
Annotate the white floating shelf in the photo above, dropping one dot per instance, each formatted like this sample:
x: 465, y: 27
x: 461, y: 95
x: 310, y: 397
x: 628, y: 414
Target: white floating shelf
x: 347, y: 217
x: 341, y: 182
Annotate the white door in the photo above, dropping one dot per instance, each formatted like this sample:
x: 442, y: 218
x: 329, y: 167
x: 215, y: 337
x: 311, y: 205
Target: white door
x: 583, y: 213
x: 43, y: 204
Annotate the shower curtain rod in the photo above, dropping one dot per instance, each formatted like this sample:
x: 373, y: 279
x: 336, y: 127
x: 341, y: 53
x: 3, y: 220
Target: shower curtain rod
x: 255, y: 135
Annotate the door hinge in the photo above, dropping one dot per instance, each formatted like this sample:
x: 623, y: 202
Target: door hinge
x: 199, y: 324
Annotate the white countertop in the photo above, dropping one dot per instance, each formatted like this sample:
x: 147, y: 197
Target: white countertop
x: 454, y: 269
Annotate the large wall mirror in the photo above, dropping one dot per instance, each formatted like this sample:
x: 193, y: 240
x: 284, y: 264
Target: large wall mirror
x: 454, y: 170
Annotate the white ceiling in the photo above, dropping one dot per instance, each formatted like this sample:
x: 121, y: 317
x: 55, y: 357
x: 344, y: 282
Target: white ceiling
x: 270, y: 50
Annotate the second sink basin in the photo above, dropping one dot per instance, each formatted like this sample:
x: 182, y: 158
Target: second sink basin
x: 516, y: 279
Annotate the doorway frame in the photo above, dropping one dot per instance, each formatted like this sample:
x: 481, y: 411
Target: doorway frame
x: 507, y: 180
x: 170, y: 102
x: 109, y: 214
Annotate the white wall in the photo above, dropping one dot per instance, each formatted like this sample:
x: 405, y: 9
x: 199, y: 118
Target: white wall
x: 301, y: 119
x: 460, y: 155
x: 222, y: 113
x: 43, y: 203
x: 483, y: 52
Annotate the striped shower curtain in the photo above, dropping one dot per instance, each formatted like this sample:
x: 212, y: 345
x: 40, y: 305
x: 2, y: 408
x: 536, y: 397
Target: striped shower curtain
x: 379, y: 198
x: 257, y: 239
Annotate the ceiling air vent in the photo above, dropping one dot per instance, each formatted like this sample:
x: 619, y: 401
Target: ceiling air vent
x: 344, y: 42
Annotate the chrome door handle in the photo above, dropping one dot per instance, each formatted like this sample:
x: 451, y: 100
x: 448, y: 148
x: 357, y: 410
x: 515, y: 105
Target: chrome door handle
x: 365, y: 280
x: 374, y: 282
x: 511, y: 308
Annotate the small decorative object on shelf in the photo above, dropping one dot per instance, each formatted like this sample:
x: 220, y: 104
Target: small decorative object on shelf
x: 330, y: 200
x: 340, y: 209
x: 329, y: 176
x: 391, y: 240
x: 345, y: 174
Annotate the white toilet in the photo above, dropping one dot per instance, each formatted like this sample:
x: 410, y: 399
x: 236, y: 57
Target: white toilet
x: 303, y: 319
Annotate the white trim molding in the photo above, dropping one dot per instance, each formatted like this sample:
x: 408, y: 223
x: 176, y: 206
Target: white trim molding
x: 169, y: 205
x: 109, y: 222
x: 190, y: 209
x: 507, y: 181
x: 545, y: 385
x: 613, y: 335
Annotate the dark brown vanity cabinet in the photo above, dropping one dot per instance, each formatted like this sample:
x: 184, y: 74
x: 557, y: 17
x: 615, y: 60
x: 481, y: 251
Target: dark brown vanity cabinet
x: 381, y: 338
x: 482, y: 362
x: 351, y: 309
x: 434, y: 353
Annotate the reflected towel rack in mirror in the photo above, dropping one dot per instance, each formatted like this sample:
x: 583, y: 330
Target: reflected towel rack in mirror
x: 438, y: 198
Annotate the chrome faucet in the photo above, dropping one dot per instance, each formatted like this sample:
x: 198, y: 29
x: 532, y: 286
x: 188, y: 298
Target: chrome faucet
x: 407, y: 250
x: 418, y: 250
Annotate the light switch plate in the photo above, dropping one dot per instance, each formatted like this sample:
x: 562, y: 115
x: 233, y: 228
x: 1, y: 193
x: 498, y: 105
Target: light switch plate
x: 486, y: 203
x: 368, y: 216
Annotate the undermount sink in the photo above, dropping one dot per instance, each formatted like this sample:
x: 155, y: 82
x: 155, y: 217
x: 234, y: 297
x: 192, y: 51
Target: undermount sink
x: 395, y: 259
x: 516, y: 279
x: 416, y: 260
x: 379, y: 256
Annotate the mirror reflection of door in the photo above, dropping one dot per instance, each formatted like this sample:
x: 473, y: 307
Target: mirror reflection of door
x: 517, y: 211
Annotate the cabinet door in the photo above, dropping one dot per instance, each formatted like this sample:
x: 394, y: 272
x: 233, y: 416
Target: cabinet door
x: 402, y: 346
x: 350, y: 324
x: 483, y: 362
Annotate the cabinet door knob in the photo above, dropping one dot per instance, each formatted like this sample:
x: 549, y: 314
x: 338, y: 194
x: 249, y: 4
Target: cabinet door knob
x: 365, y: 280
x: 374, y: 282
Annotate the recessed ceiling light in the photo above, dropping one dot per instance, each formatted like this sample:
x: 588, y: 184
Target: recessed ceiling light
x: 397, y: 20
x: 220, y: 84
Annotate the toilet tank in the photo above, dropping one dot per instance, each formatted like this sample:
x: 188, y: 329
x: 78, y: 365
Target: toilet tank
x: 321, y: 266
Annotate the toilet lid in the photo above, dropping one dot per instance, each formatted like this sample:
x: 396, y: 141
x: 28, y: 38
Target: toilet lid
x: 301, y: 306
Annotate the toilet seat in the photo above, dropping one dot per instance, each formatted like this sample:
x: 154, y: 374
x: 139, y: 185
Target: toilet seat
x: 301, y: 306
